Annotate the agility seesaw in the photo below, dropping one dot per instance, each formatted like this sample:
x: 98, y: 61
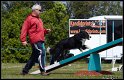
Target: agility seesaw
x: 94, y: 62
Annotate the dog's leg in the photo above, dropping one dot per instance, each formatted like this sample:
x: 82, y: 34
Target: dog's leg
x: 52, y: 56
x: 51, y: 59
x: 58, y: 51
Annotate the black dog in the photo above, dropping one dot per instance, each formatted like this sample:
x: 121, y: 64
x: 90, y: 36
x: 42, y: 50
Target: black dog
x: 75, y: 42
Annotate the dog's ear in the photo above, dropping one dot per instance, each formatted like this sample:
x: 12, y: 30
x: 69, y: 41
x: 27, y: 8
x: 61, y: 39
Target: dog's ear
x: 77, y: 37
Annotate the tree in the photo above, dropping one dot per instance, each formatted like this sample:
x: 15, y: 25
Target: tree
x: 87, y: 9
x: 109, y: 8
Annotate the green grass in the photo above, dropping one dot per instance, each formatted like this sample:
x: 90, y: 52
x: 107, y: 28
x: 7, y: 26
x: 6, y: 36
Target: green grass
x: 12, y: 71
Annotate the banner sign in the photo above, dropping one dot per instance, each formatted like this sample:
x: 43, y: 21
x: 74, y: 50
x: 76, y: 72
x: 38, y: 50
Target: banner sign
x: 91, y: 26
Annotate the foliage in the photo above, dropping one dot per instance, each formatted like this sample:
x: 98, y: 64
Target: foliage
x: 11, y: 25
x: 87, y: 9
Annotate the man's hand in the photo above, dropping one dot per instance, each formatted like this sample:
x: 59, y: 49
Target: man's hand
x: 48, y: 30
x: 24, y: 43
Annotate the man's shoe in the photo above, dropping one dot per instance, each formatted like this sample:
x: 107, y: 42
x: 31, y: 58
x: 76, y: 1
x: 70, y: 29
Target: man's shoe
x: 23, y: 73
x: 44, y: 73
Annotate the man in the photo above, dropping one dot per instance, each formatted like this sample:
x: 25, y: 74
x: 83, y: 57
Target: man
x: 33, y: 26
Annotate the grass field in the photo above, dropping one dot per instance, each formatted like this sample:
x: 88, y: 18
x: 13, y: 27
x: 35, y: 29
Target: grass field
x: 12, y: 71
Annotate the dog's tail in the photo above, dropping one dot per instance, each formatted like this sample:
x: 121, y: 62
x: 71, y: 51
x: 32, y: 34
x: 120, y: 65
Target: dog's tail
x: 49, y: 50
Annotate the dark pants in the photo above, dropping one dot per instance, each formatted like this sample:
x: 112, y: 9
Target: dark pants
x: 37, y: 56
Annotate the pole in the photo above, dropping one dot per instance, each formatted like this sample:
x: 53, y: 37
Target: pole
x: 100, y: 23
x: 113, y: 60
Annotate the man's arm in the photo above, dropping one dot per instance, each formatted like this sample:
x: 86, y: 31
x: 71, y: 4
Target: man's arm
x: 24, y: 32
